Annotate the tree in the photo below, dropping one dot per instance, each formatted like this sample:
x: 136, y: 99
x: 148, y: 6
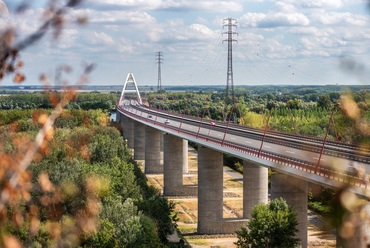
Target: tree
x: 294, y: 104
x: 272, y: 225
x: 323, y: 101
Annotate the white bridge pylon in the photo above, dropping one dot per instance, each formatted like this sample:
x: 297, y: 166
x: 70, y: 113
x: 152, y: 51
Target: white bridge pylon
x: 130, y: 80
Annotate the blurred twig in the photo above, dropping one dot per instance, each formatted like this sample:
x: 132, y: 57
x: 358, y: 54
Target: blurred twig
x: 9, y: 52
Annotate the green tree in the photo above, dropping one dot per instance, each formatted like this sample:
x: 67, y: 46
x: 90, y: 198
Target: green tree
x: 294, y: 104
x: 272, y: 225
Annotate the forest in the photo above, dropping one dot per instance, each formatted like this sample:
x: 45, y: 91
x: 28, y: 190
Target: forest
x: 48, y: 99
x: 304, y: 111
x: 83, y: 188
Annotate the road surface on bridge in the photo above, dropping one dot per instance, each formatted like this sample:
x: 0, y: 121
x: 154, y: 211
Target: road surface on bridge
x: 218, y: 132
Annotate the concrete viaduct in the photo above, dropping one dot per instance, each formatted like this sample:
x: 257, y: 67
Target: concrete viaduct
x: 153, y: 139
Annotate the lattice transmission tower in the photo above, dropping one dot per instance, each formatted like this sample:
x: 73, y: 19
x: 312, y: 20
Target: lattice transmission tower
x: 230, y: 23
x: 159, y: 60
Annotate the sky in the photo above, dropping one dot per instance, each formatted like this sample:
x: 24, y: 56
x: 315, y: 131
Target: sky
x: 287, y: 42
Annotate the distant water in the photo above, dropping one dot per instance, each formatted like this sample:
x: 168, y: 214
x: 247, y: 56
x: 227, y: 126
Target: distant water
x: 113, y: 116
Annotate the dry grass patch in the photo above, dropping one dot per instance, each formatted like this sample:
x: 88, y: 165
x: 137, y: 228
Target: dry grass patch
x: 232, y: 183
x: 191, y: 207
x: 221, y: 242
x: 189, y: 180
x: 235, y: 205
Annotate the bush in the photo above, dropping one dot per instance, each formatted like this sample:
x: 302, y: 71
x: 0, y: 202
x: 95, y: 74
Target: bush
x: 272, y: 225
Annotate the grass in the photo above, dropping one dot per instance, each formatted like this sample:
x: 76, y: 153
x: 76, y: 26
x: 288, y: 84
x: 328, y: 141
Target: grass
x: 238, y: 186
x: 185, y: 228
x: 197, y: 241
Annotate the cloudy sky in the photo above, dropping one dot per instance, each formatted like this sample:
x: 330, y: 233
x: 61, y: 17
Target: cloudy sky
x: 279, y: 42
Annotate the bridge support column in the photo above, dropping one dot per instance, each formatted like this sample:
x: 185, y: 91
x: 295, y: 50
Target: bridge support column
x: 175, y: 159
x: 152, y: 150
x: 210, y: 195
x: 295, y: 192
x: 255, y: 186
x: 124, y: 124
x: 185, y: 167
x: 118, y: 116
x: 161, y: 145
x: 139, y: 143
x: 130, y: 133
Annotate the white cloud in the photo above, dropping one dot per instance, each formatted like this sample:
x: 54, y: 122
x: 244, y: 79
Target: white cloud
x: 125, y: 46
x: 313, y: 31
x: 281, y: 15
x: 202, y: 30
x: 355, y: 35
x: 102, y: 38
x: 323, y: 46
x: 272, y: 20
x: 251, y: 19
x: 202, y: 20
x: 171, y: 5
x: 336, y: 18
x: 121, y: 17
x: 322, y: 4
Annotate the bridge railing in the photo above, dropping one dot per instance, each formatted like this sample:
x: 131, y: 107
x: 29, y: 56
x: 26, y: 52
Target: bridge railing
x: 273, y: 157
x: 306, y: 137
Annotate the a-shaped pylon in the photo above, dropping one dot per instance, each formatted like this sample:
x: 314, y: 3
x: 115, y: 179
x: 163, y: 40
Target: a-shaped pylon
x: 130, y: 80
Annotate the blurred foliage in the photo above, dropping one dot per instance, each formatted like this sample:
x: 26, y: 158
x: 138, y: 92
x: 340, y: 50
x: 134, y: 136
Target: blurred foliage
x: 84, y: 158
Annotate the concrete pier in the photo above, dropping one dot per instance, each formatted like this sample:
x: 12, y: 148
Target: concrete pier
x: 124, y: 121
x: 255, y: 187
x: 185, y: 167
x: 295, y: 192
x: 210, y: 189
x: 118, y: 117
x: 152, y: 150
x: 210, y: 195
x: 161, y: 145
x: 130, y: 133
x: 139, y: 141
x: 175, y: 159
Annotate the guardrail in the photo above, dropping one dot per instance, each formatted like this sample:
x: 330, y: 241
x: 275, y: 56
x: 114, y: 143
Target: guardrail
x: 273, y: 157
x: 281, y: 140
x: 306, y: 137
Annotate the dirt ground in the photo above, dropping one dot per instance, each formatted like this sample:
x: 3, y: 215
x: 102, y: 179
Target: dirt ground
x: 187, y: 212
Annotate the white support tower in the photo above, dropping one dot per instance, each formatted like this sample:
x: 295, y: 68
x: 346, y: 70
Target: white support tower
x: 130, y: 80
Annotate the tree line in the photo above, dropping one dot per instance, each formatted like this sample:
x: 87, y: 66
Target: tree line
x: 47, y: 100
x: 310, y: 114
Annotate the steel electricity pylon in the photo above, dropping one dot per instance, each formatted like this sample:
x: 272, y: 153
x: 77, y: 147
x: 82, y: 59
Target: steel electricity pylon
x: 230, y: 23
x: 159, y: 60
